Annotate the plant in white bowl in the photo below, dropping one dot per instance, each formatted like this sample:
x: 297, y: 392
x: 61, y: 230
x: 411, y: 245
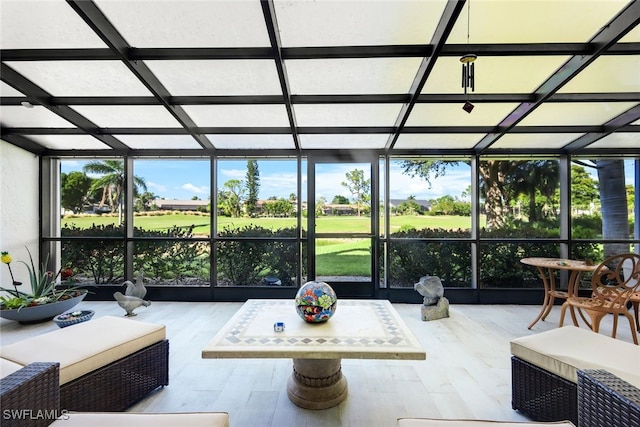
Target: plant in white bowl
x: 45, y: 292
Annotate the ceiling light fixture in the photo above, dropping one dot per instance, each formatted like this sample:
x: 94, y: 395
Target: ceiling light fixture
x: 26, y: 104
x: 468, y: 73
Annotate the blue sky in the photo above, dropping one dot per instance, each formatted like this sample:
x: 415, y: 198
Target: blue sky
x: 184, y: 179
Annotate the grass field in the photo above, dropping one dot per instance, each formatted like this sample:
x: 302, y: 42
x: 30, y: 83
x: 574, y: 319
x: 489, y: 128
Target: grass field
x: 332, y: 224
x: 334, y: 257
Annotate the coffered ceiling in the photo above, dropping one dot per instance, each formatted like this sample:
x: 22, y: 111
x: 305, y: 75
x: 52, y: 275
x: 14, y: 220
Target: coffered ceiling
x: 275, y: 77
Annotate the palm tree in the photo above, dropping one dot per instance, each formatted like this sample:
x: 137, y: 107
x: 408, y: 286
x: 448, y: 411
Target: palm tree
x: 613, y: 200
x: 112, y: 182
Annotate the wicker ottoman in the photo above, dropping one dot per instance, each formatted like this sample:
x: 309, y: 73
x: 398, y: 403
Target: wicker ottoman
x: 30, y: 397
x: 110, y: 419
x: 106, y: 364
x: 545, y: 369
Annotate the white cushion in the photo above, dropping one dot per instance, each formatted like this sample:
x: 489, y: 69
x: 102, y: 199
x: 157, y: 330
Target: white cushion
x: 424, y: 422
x: 564, y: 351
x: 125, y: 419
x: 8, y: 367
x: 87, y: 346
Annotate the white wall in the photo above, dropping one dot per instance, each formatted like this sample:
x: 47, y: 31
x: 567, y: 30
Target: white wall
x: 18, y: 210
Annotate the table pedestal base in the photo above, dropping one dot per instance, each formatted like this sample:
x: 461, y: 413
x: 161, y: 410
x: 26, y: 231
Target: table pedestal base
x: 317, y: 383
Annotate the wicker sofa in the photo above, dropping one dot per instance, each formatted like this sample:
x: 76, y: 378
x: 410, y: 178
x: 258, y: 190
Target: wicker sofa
x: 30, y: 397
x: 106, y: 364
x: 574, y: 374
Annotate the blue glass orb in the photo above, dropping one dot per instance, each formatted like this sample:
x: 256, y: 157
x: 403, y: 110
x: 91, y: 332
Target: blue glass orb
x: 316, y: 302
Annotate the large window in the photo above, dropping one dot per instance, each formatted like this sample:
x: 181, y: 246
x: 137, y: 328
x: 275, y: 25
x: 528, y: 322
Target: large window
x: 603, y: 200
x: 257, y: 239
x: 243, y: 224
x: 430, y: 221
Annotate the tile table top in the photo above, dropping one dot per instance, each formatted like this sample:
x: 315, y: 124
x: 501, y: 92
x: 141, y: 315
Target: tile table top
x: 359, y: 329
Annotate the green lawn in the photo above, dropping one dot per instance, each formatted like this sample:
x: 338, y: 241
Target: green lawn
x: 333, y: 224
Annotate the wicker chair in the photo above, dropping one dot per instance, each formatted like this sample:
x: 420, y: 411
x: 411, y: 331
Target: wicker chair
x: 612, y: 285
x: 605, y: 400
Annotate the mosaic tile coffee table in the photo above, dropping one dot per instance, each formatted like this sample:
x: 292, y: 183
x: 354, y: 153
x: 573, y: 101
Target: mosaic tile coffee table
x: 359, y: 329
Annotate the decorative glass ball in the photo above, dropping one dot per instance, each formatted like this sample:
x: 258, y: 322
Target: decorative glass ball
x: 316, y: 302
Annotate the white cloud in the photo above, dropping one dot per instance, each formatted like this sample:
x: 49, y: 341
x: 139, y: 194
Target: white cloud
x: 198, y: 190
x: 154, y: 187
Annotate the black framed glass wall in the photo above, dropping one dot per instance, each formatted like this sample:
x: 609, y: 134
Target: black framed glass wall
x: 118, y: 216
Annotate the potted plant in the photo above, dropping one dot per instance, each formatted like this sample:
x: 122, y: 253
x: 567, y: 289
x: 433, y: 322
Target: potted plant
x: 46, y: 298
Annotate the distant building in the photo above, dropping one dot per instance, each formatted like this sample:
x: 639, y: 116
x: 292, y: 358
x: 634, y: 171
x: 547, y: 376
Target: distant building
x: 180, y: 205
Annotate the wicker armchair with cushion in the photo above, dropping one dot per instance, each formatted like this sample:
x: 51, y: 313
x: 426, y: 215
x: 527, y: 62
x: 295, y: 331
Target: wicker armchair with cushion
x: 30, y: 397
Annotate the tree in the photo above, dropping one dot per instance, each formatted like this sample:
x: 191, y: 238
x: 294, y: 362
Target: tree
x: 613, y: 200
x: 112, y: 182
x: 253, y: 186
x: 584, y: 189
x: 496, y: 183
x: 339, y: 199
x: 408, y: 207
x: 74, y: 189
x: 492, y: 174
x: 358, y: 187
x: 531, y: 178
x: 143, y: 202
x: 232, y: 197
x: 280, y: 207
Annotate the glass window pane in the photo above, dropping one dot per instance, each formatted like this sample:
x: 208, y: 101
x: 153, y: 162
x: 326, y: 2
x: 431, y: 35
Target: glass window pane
x: 617, y: 140
x: 434, y: 141
x: 246, y: 141
x: 125, y: 116
x: 535, y: 140
x: 346, y: 114
x: 532, y: 21
x: 37, y: 117
x: 150, y: 142
x: 250, y: 262
x: 520, y: 198
x: 257, y: 197
x: 92, y: 197
x: 173, y: 263
x: 343, y: 260
x: 351, y: 75
x: 575, y: 113
x: 70, y: 142
x: 498, y: 74
x: 410, y: 259
x: 607, y: 74
x: 30, y: 25
x: 82, y: 78
x: 354, y: 24
x: 175, y: 200
x: 218, y: 77
x: 500, y: 265
x: 343, y: 198
x: 96, y: 261
x: 188, y: 24
x: 343, y: 141
x: 602, y: 199
x: 429, y: 194
x: 238, y: 115
x: 453, y: 115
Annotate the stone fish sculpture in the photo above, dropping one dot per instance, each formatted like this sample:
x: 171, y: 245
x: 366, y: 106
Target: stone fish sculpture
x: 434, y: 305
x: 133, y: 296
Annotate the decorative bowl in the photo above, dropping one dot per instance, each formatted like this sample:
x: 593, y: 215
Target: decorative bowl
x: 41, y: 313
x: 316, y: 302
x: 71, y: 318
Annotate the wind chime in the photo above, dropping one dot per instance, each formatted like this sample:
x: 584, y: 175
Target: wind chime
x: 468, y: 73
